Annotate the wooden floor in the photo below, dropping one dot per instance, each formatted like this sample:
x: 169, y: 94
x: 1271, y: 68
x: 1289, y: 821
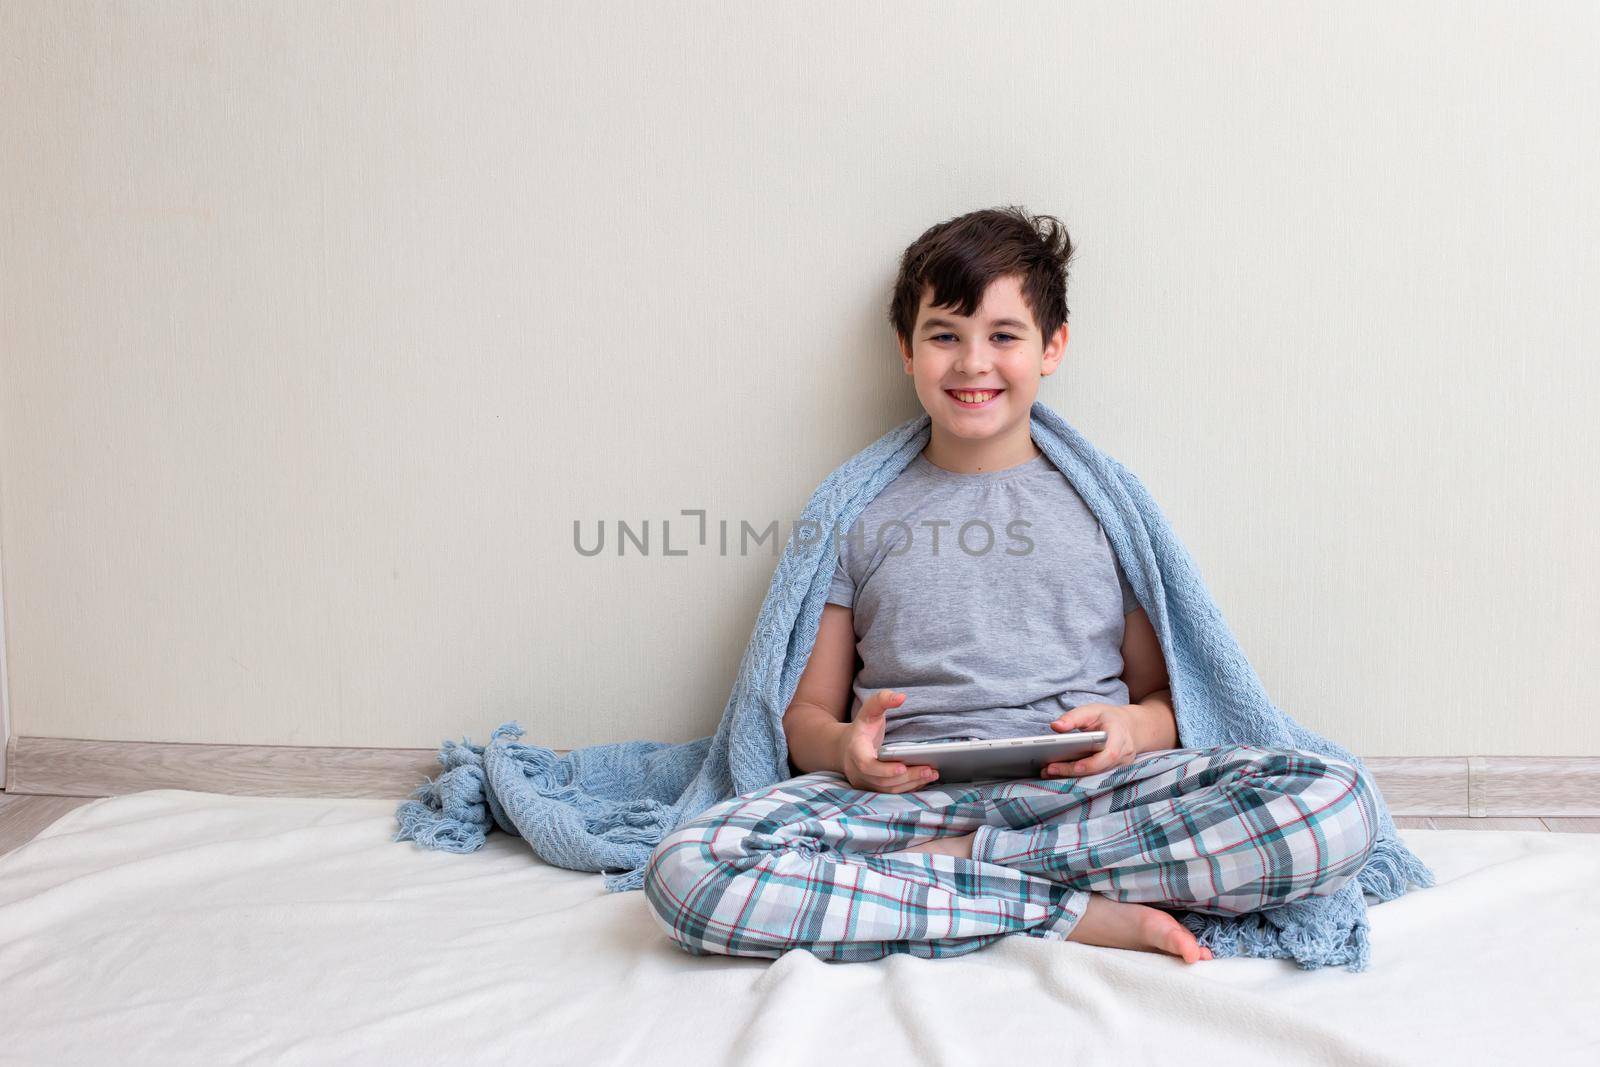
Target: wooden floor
x: 21, y: 817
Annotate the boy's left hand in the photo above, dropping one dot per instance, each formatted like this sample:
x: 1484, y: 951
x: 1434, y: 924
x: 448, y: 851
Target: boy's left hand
x: 1121, y: 746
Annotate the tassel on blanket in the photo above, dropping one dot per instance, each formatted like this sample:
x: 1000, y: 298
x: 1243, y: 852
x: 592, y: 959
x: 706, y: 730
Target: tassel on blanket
x: 1392, y: 869
x: 1317, y: 931
x: 452, y: 812
x: 1313, y: 932
x: 533, y: 792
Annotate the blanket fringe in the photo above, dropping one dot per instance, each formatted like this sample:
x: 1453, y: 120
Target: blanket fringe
x: 451, y: 812
x: 628, y: 880
x: 1392, y: 869
x: 456, y: 811
x: 1337, y: 932
x: 1340, y: 936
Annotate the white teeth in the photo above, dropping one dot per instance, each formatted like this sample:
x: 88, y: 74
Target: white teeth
x: 974, y: 398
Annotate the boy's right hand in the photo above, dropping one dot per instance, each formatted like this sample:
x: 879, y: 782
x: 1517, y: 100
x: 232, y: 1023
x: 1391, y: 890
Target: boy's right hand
x: 858, y: 756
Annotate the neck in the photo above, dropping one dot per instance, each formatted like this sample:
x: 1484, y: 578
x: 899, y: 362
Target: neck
x: 962, y: 455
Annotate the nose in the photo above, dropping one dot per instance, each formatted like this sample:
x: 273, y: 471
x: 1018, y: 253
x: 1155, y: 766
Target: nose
x: 973, y: 359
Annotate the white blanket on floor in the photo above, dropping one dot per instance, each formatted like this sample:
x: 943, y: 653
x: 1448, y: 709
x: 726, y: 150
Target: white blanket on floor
x: 174, y: 926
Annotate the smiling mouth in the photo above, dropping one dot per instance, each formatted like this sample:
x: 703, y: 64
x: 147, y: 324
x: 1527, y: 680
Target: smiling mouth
x: 973, y: 398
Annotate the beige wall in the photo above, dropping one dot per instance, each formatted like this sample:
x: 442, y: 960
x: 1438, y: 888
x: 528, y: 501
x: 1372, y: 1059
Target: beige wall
x: 321, y: 325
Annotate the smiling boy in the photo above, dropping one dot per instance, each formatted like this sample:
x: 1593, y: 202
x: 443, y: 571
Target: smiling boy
x: 1057, y: 626
x: 855, y: 858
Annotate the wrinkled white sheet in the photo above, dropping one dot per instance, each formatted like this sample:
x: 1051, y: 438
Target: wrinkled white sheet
x: 174, y: 926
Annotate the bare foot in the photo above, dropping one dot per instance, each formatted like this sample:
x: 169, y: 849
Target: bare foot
x: 1105, y: 922
x: 1122, y: 924
x: 949, y: 846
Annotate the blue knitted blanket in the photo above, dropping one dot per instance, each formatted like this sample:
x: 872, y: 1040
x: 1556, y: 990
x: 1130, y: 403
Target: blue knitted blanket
x: 605, y: 807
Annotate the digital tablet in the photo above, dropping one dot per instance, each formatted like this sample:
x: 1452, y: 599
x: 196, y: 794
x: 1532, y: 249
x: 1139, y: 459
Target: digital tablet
x: 999, y: 760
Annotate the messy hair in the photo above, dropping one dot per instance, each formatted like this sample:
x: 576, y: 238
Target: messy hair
x: 961, y: 256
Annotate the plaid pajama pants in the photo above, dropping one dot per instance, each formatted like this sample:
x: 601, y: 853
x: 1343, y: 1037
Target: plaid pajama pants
x: 804, y: 863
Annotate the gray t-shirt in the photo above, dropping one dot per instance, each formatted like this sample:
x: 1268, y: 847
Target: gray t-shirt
x: 992, y: 600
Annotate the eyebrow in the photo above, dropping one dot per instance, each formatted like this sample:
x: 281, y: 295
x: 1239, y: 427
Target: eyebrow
x: 997, y: 322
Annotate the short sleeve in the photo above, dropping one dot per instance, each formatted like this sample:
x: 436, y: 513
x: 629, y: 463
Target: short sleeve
x: 841, y: 590
x: 1130, y: 602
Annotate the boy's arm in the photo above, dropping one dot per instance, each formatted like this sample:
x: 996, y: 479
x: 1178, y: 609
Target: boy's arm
x: 814, y: 721
x: 1144, y: 670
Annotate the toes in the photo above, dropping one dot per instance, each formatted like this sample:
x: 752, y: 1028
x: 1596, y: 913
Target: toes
x: 1175, y: 938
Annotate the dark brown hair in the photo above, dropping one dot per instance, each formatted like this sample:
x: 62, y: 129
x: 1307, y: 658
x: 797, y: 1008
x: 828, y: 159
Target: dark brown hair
x: 961, y: 256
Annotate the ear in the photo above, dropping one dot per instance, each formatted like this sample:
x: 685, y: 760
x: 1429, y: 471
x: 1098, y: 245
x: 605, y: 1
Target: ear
x: 905, y: 353
x: 1053, y: 351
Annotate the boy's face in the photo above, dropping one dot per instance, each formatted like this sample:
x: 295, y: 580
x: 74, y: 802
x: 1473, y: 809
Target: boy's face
x: 997, y: 353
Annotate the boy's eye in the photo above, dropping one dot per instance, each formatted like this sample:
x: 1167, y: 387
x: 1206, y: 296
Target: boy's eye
x: 940, y: 336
